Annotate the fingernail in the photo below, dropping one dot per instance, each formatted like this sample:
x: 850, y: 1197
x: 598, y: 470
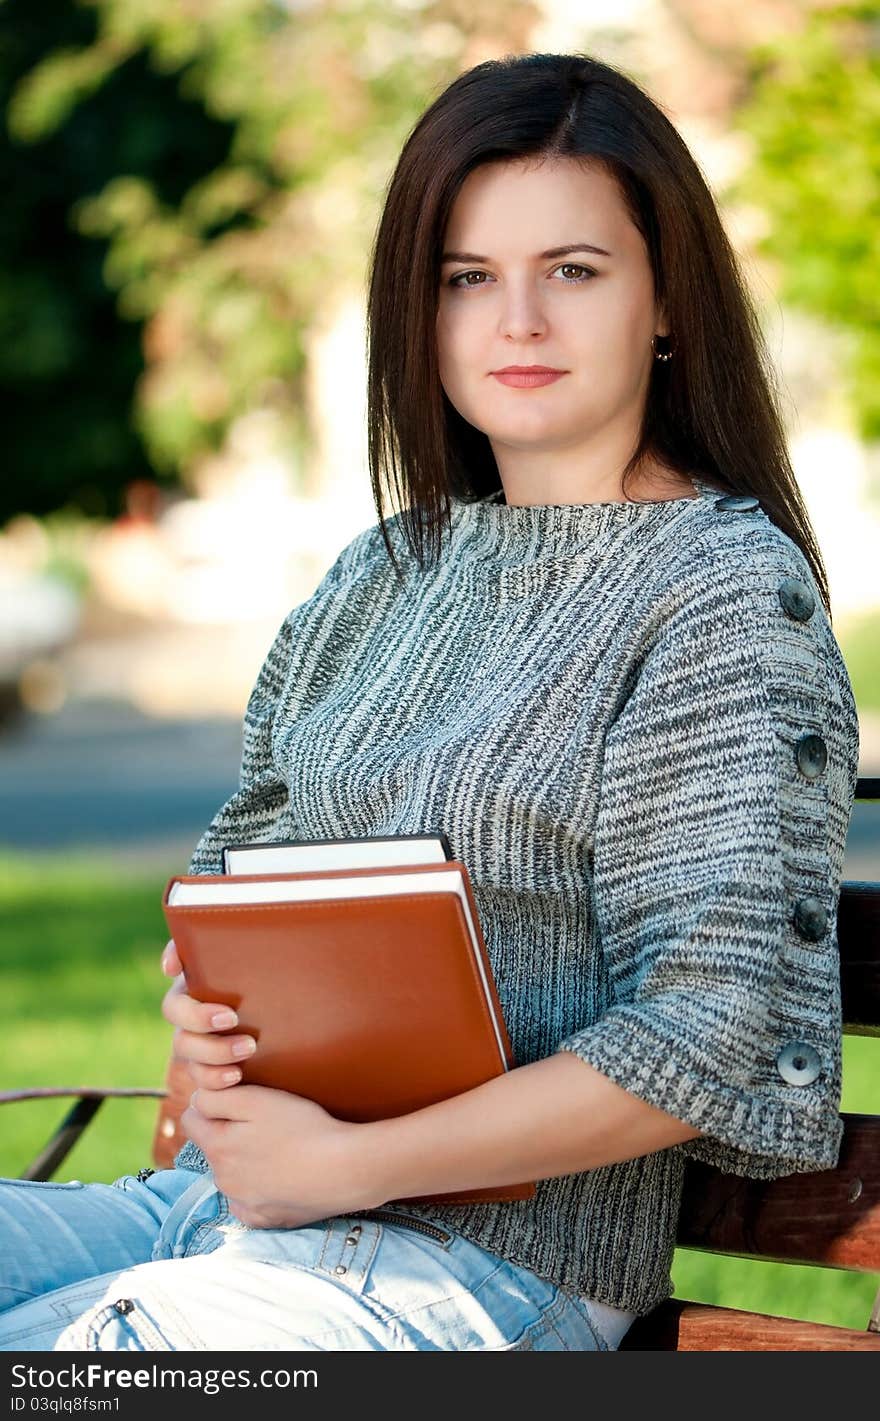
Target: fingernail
x: 230, y: 1077
x: 223, y: 1019
x: 245, y: 1047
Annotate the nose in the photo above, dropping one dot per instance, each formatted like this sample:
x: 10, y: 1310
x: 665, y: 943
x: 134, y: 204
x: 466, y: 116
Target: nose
x: 522, y: 313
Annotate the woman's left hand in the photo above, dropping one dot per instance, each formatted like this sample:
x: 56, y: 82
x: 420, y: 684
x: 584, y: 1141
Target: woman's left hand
x: 282, y: 1160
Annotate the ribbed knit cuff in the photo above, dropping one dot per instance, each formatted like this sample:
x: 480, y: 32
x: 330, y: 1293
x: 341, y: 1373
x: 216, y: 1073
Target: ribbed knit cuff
x: 745, y: 1133
x: 191, y: 1157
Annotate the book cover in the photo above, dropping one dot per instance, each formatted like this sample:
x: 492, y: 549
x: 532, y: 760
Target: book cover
x: 368, y: 990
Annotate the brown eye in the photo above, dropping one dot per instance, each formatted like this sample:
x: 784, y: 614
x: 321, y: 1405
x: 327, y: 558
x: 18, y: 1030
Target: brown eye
x: 454, y: 280
x: 574, y: 266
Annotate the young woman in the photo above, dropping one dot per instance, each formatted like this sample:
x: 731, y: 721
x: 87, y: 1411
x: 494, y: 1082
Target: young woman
x: 611, y: 680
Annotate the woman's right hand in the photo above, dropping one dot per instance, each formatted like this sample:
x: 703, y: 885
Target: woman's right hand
x: 212, y: 1060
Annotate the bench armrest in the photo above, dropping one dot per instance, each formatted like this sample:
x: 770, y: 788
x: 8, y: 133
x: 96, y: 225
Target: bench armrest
x: 90, y: 1100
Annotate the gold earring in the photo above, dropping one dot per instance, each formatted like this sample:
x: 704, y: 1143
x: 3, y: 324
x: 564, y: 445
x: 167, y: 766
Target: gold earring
x: 663, y: 355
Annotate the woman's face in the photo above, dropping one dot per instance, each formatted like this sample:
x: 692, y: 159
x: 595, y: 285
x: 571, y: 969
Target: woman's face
x: 592, y: 315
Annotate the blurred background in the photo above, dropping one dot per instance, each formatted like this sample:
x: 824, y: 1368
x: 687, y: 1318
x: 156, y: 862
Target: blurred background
x: 190, y: 194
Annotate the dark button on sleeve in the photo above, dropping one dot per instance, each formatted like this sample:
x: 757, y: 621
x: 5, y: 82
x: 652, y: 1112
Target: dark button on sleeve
x: 798, y: 1063
x: 737, y: 503
x: 812, y: 755
x: 810, y: 918
x: 796, y: 599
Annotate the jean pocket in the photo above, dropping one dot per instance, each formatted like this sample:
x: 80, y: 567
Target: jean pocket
x: 424, y: 1227
x: 560, y: 1328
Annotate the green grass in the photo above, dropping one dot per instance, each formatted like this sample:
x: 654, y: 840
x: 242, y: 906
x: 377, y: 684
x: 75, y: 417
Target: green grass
x: 80, y: 947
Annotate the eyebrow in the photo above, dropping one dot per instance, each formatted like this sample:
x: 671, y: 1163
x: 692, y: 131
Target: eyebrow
x: 551, y: 252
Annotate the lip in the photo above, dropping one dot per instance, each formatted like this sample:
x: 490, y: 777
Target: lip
x: 527, y: 376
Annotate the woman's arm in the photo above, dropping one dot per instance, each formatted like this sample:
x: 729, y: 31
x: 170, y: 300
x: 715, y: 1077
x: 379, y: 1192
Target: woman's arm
x: 283, y: 1161
x: 555, y: 1116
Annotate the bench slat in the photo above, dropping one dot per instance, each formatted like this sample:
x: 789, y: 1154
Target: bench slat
x: 830, y: 1217
x: 679, y: 1326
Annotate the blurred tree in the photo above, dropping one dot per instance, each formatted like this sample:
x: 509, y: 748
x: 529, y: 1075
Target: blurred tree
x: 68, y: 365
x: 812, y: 107
x: 298, y: 109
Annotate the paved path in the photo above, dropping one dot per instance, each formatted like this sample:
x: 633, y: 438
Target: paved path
x: 101, y: 775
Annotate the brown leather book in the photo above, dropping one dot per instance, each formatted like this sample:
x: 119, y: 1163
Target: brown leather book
x: 368, y: 990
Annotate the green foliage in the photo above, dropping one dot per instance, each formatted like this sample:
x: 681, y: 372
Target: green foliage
x: 78, y: 112
x: 812, y: 108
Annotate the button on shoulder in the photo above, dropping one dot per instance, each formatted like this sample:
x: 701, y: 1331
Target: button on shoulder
x: 737, y: 503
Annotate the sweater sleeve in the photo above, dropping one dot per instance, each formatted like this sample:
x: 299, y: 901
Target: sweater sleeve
x: 727, y: 786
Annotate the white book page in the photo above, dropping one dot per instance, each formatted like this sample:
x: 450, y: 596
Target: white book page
x: 310, y: 890
x: 316, y: 890
x: 305, y: 858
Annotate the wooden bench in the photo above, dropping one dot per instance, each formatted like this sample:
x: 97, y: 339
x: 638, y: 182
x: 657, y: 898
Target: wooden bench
x: 830, y: 1218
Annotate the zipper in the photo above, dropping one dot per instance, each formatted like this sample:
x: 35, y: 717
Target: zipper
x: 407, y: 1220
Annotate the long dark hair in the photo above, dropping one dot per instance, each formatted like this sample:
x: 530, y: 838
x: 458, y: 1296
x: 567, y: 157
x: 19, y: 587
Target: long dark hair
x: 711, y: 410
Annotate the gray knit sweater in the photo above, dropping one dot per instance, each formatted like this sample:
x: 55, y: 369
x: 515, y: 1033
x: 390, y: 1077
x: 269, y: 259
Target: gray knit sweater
x: 634, y: 724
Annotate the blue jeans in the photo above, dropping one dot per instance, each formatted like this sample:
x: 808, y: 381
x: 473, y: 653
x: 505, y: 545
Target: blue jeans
x: 162, y: 1265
